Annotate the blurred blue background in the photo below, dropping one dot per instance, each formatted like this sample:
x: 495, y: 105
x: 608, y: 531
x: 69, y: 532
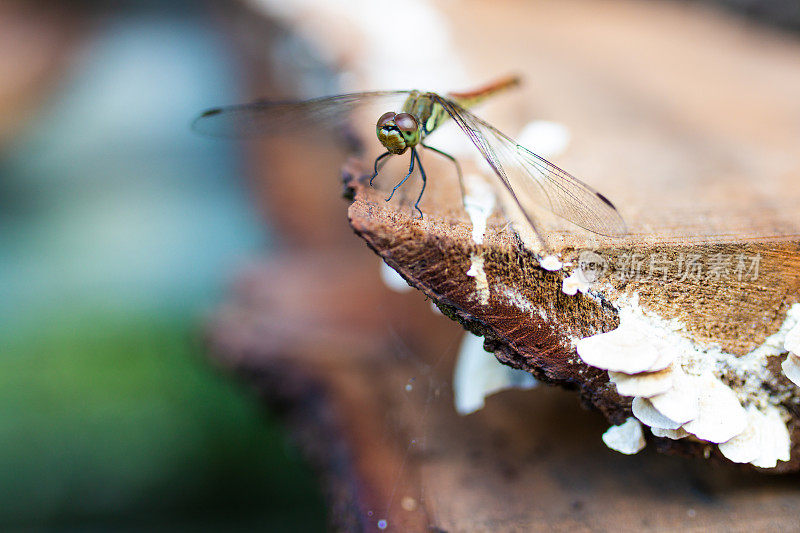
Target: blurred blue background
x: 119, y: 229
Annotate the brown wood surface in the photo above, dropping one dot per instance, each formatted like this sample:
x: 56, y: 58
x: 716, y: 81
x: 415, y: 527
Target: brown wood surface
x: 664, y: 124
x: 676, y: 171
x: 689, y: 121
x: 533, y: 329
x: 337, y: 360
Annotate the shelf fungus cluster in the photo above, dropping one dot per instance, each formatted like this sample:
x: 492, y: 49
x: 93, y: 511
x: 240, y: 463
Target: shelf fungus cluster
x: 684, y: 391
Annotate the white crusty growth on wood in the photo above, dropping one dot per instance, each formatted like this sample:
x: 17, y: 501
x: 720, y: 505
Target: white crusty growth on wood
x: 479, y: 202
x: 476, y: 271
x: 551, y: 262
x: 692, y: 397
x: 674, y: 434
x: 720, y: 416
x: 681, y: 402
x: 393, y: 280
x: 631, y: 348
x: 644, y: 383
x: 644, y: 410
x: 575, y: 282
x: 763, y: 443
x: 792, y: 341
x: 479, y: 374
x: 791, y: 368
x: 626, y: 438
x: 791, y: 365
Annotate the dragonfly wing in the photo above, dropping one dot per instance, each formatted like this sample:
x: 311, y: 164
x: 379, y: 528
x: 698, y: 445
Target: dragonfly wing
x: 533, y: 181
x: 264, y: 118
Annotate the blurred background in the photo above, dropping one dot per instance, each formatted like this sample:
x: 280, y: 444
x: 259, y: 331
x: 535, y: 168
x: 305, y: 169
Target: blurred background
x: 119, y: 231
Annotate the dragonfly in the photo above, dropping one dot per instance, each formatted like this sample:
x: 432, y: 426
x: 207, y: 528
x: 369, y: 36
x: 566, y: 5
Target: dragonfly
x: 531, y: 181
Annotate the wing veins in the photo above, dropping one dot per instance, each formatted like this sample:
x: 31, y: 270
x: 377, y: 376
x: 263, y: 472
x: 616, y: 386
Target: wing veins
x: 263, y: 117
x: 561, y: 193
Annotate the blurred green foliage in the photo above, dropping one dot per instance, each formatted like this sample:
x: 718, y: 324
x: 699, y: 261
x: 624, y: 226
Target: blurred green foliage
x: 120, y: 419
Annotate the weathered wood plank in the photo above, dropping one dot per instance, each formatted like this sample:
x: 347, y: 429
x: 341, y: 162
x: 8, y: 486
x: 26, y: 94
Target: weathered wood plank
x: 688, y: 121
x: 707, y: 180
x: 362, y: 379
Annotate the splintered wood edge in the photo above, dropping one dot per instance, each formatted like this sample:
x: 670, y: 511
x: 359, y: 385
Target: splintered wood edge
x: 529, y: 323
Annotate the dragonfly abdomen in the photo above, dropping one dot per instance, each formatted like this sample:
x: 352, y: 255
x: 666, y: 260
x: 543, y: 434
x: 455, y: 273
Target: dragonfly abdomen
x: 472, y: 98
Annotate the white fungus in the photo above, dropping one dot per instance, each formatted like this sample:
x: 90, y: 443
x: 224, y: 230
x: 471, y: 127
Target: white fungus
x: 551, y: 263
x: 481, y: 282
x: 644, y: 411
x: 573, y: 283
x: 393, y: 280
x: 763, y: 443
x: 680, y: 403
x: 626, y: 438
x: 479, y: 203
x: 775, y: 441
x: 674, y: 434
x: 625, y: 349
x: 478, y: 374
x: 720, y: 416
x: 698, y: 402
x: 792, y: 341
x: 791, y: 368
x: 747, y: 445
x: 644, y: 383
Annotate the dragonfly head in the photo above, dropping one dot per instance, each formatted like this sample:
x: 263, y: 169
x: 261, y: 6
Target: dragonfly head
x: 398, y: 131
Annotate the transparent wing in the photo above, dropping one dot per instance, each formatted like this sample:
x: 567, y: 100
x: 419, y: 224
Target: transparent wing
x: 532, y: 181
x: 265, y: 118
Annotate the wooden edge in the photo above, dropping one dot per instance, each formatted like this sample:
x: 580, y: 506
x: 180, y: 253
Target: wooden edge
x: 527, y: 320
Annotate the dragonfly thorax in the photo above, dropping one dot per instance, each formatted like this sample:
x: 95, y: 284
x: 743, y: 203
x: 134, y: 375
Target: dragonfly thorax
x: 398, y: 131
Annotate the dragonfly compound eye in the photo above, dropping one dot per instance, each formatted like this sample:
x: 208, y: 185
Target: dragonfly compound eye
x: 386, y: 117
x: 405, y: 122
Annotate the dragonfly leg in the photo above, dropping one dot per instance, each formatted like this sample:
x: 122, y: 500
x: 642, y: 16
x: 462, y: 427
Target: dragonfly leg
x: 458, y: 168
x: 377, y: 161
x: 424, y: 181
x: 410, y: 171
